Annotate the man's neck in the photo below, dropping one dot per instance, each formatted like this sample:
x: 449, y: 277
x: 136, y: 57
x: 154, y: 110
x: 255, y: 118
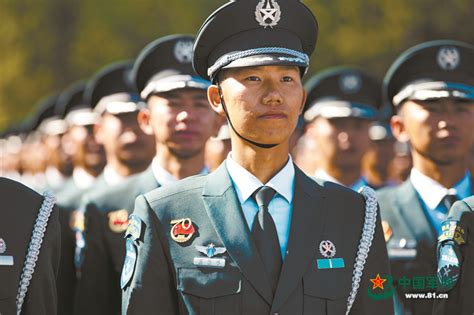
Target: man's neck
x: 179, y: 167
x: 447, y: 175
x: 347, y: 177
x: 262, y: 163
x: 124, y: 169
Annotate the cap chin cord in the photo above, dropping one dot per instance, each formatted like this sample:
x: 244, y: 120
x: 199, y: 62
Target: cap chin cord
x: 260, y: 145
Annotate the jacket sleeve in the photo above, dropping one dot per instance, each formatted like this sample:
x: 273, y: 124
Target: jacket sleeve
x: 41, y: 297
x: 152, y: 286
x: 369, y: 300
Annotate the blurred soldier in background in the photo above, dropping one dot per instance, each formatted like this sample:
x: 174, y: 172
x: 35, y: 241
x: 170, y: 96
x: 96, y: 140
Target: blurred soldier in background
x: 431, y: 87
x: 376, y: 161
x: 179, y: 117
x: 218, y: 147
x: 341, y: 103
x: 52, y: 128
x: 89, y: 159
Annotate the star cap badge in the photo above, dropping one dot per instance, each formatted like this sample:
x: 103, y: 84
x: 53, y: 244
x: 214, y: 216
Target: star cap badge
x: 183, y: 51
x: 327, y: 249
x: 3, y: 246
x: 378, y: 282
x: 210, y: 250
x: 350, y: 83
x: 268, y: 13
x: 448, y: 58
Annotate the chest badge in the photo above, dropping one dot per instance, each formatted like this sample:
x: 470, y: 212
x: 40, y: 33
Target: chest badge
x: 118, y: 221
x: 182, y: 230
x: 210, y: 251
x: 4, y: 260
x: 328, y: 250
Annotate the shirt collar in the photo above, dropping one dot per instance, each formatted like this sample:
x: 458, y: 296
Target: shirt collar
x: 111, y: 176
x: 82, y: 179
x: 163, y: 177
x: 322, y: 174
x: 246, y: 183
x: 432, y: 192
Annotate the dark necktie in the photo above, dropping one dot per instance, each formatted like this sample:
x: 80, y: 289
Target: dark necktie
x: 448, y: 201
x: 265, y: 235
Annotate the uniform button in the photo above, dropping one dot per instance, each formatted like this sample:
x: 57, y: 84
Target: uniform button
x: 275, y: 314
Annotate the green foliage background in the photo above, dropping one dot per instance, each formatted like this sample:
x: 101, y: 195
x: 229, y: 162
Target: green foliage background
x: 48, y: 44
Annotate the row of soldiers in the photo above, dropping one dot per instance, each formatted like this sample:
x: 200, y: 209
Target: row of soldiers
x: 147, y: 123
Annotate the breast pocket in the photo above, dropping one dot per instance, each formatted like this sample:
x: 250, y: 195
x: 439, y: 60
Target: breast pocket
x: 208, y: 291
x: 326, y: 291
x: 9, y: 280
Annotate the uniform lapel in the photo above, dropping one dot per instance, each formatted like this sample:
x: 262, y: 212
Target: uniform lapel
x: 147, y: 181
x: 307, y: 225
x: 411, y: 209
x: 224, y: 211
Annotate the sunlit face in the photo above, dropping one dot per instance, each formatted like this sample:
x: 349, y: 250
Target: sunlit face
x: 440, y: 130
x: 122, y: 137
x: 341, y: 141
x: 84, y: 148
x: 182, y: 120
x: 57, y: 156
x: 263, y: 102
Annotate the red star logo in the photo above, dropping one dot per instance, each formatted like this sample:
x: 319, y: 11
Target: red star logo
x: 378, y: 282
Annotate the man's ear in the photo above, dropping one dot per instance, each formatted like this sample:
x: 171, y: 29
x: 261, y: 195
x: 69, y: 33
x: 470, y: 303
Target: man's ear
x: 305, y: 96
x: 143, y: 119
x: 397, y: 123
x: 214, y: 98
x: 98, y: 132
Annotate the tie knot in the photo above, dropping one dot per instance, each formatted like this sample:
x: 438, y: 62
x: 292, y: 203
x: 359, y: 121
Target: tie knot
x: 263, y: 196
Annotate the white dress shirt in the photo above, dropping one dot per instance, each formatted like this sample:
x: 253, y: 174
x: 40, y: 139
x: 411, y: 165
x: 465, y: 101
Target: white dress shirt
x: 280, y: 207
x: 111, y: 176
x: 82, y: 179
x: 163, y: 177
x: 359, y: 183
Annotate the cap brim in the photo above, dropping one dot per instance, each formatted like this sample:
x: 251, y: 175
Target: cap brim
x: 174, y: 82
x: 339, y: 109
x: 267, y: 60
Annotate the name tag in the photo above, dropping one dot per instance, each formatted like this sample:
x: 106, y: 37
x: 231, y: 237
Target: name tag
x: 6, y: 260
x: 209, y: 262
x: 333, y: 263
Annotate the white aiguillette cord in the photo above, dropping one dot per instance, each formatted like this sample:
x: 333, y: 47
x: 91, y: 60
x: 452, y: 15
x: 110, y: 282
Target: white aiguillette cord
x: 34, y: 248
x: 365, y: 243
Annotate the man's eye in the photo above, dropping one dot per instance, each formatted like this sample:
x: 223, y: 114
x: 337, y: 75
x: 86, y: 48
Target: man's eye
x: 287, y: 79
x: 253, y: 78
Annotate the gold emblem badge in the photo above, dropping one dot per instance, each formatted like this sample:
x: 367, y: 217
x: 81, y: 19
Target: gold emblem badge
x: 182, y: 230
x: 118, y: 220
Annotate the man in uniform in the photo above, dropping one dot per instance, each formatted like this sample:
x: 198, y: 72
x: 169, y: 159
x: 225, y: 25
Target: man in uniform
x: 179, y: 117
x: 29, y: 251
x: 456, y: 260
x: 203, y: 245
x: 431, y: 87
x: 341, y: 104
x: 376, y: 161
x: 89, y: 160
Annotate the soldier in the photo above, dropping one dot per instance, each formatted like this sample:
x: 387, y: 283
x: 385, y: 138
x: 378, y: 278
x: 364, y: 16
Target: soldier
x: 179, y: 117
x: 376, y: 161
x: 60, y: 163
x: 203, y: 245
x: 89, y: 160
x: 431, y: 87
x: 127, y: 149
x: 29, y: 251
x: 456, y: 260
x: 341, y: 104
x: 218, y: 147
